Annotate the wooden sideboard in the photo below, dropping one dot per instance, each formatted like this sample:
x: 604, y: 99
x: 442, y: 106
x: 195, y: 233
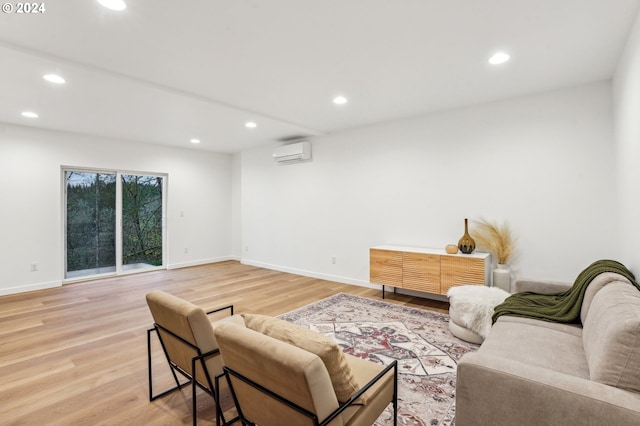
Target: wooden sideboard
x: 427, y: 270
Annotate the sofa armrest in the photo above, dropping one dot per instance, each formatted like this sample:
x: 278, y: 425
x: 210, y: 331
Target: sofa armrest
x: 540, y: 286
x: 493, y: 390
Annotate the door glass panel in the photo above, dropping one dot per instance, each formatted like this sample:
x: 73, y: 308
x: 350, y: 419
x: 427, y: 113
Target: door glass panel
x: 141, y: 221
x: 90, y: 223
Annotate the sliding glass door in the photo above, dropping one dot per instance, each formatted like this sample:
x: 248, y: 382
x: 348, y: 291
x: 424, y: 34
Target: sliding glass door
x: 113, y: 222
x: 90, y: 223
x: 141, y: 221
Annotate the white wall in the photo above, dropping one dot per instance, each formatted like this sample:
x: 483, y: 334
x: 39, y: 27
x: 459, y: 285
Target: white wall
x: 236, y: 206
x: 626, y: 95
x: 544, y: 163
x: 199, y: 184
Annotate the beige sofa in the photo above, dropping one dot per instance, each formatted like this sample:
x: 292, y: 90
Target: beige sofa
x: 531, y: 372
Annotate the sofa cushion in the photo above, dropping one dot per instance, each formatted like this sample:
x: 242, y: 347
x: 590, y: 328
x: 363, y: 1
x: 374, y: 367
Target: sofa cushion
x: 531, y: 342
x: 611, y: 336
x: 573, y: 329
x: 342, y: 378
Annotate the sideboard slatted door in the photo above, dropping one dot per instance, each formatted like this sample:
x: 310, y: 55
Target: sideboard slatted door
x: 385, y: 267
x: 421, y: 272
x: 461, y: 271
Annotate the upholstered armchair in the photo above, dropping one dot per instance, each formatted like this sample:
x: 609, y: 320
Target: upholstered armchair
x: 280, y: 373
x: 186, y: 335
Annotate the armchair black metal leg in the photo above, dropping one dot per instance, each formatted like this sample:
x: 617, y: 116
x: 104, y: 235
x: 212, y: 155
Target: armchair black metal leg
x: 219, y: 407
x: 178, y: 385
x: 149, y: 373
x: 395, y: 396
x: 216, y: 396
x: 194, y: 412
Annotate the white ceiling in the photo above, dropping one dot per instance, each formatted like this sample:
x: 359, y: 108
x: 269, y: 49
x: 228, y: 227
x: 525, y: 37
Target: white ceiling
x: 166, y: 71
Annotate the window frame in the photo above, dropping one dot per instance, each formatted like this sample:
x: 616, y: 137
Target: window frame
x: 119, y: 270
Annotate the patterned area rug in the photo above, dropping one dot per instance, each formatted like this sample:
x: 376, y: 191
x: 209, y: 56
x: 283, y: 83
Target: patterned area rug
x: 427, y: 353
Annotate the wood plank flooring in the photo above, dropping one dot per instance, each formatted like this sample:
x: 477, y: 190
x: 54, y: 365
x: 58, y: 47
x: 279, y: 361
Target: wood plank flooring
x: 76, y: 355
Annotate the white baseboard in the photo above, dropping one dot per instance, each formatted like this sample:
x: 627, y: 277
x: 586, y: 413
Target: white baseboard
x: 201, y: 262
x: 343, y: 280
x: 312, y: 274
x: 30, y: 287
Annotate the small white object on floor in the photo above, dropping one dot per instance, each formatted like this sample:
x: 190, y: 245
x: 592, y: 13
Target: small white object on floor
x: 472, y: 306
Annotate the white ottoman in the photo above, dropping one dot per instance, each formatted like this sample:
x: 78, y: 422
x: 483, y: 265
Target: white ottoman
x: 460, y: 331
x: 470, y: 310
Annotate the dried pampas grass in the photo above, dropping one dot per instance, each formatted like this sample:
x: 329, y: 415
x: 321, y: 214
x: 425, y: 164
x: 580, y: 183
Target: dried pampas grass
x: 497, y: 239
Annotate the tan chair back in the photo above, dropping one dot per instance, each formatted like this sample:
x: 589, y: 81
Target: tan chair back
x: 191, y: 323
x: 295, y: 374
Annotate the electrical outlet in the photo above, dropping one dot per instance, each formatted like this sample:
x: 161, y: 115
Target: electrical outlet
x: 333, y: 260
x: 34, y: 267
x: 246, y: 248
x: 186, y: 250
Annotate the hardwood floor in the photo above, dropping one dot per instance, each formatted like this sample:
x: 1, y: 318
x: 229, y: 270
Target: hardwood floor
x: 76, y: 355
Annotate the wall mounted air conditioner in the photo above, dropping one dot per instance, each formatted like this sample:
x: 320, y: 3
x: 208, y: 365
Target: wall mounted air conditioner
x: 292, y: 153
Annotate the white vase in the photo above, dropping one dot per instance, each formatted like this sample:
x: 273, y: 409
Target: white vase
x: 502, y: 277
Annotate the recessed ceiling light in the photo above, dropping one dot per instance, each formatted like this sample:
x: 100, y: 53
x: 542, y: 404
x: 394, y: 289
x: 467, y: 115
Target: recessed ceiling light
x: 250, y: 125
x: 499, y: 58
x: 340, y: 100
x: 113, y: 4
x: 194, y: 140
x: 29, y: 114
x: 54, y: 78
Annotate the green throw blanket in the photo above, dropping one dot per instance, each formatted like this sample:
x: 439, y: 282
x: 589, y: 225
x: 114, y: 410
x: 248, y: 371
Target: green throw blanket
x: 561, y: 307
